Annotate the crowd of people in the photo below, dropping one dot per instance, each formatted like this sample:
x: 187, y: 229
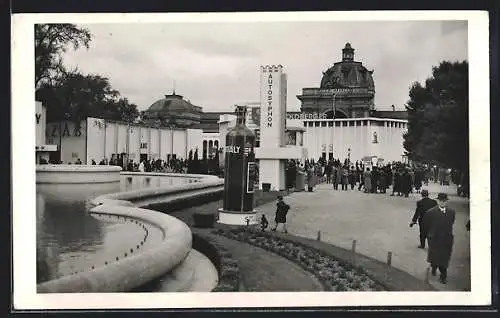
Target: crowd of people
x: 400, y: 177
x: 172, y: 165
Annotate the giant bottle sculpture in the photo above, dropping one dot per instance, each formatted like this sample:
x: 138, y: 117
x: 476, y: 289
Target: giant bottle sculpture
x: 239, y: 174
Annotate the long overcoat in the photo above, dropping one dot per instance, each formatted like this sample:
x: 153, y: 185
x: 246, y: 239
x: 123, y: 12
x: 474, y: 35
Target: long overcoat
x: 368, y: 181
x: 439, y: 227
x: 311, y: 178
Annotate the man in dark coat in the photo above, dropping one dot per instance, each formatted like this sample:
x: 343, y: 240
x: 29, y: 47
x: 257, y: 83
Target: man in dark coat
x: 281, y: 211
x: 438, y: 222
x: 396, y: 187
x: 406, y: 183
x: 423, y: 205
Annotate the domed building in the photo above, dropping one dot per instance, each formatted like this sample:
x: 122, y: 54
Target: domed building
x: 347, y: 90
x: 173, y: 111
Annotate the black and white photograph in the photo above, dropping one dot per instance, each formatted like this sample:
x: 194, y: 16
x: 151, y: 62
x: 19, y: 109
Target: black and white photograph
x: 228, y: 159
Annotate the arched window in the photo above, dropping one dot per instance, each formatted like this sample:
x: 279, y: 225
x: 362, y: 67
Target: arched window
x: 205, y: 149
x: 210, y: 147
x: 338, y: 114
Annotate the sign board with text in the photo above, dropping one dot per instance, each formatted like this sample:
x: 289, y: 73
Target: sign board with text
x: 335, y: 91
x: 272, y: 103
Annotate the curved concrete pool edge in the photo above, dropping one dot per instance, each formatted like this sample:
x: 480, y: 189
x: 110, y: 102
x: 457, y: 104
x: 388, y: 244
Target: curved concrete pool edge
x: 76, y: 174
x: 136, y: 270
x: 139, y: 269
x: 147, y: 196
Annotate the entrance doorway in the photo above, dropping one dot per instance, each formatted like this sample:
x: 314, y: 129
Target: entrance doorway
x: 55, y: 157
x: 143, y: 157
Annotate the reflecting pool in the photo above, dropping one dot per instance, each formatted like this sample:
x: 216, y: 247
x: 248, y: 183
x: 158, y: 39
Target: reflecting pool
x: 70, y: 240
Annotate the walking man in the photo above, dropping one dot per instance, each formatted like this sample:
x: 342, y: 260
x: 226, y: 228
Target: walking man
x: 423, y: 205
x: 438, y: 222
x: 281, y: 211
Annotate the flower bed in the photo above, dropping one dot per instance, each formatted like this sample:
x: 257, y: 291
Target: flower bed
x: 334, y: 275
x: 227, y: 267
x: 229, y: 272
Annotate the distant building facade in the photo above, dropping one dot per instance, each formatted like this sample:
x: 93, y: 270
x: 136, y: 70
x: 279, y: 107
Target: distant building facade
x: 339, y: 118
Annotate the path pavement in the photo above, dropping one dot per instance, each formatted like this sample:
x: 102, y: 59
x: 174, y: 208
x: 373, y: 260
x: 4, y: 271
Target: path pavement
x: 379, y: 223
x: 263, y: 271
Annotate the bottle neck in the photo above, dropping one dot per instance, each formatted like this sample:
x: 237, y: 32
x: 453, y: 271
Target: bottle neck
x: 240, y: 120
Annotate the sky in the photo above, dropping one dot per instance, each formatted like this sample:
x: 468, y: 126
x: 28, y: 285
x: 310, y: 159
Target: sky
x: 216, y: 65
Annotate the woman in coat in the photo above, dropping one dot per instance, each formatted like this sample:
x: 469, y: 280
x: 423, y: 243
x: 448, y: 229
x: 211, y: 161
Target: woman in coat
x: 344, y: 176
x: 382, y: 181
x: 311, y: 178
x: 338, y: 179
x: 367, y: 180
x: 352, y: 178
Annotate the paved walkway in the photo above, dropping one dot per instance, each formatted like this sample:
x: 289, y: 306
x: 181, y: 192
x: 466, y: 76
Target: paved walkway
x: 263, y: 271
x: 379, y: 224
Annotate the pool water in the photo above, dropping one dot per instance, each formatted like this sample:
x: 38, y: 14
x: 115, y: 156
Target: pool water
x: 70, y: 240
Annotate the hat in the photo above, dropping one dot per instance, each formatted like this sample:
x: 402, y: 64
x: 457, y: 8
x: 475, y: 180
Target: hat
x: 425, y: 193
x: 280, y: 197
x: 442, y: 197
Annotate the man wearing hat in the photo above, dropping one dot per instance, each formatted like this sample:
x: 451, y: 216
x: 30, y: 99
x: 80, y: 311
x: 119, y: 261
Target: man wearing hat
x: 438, y: 222
x: 423, y: 205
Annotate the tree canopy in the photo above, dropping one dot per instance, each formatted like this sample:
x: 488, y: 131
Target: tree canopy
x: 76, y: 96
x: 51, y: 42
x: 438, y: 113
x: 69, y: 94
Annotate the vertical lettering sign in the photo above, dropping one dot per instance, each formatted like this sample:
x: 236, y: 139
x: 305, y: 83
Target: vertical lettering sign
x: 269, y: 94
x: 251, y: 176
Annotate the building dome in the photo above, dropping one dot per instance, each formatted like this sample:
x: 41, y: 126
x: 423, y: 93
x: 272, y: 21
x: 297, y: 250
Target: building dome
x: 171, y: 103
x: 348, y: 73
x: 173, y: 110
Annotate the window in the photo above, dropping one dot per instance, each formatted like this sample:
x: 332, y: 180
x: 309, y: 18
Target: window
x: 323, y: 124
x: 316, y: 123
x: 351, y: 124
x: 365, y: 122
x: 344, y: 124
x: 330, y: 124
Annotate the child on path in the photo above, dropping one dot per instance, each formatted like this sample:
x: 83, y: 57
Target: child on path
x: 281, y: 211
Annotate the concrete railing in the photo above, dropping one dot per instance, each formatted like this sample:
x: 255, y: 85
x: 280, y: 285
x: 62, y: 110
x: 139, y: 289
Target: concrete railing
x: 57, y: 174
x: 199, y: 177
x: 137, y: 269
x: 158, y: 195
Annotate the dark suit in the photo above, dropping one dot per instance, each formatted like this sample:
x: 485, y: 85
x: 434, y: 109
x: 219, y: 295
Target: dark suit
x: 439, y: 228
x: 423, y: 206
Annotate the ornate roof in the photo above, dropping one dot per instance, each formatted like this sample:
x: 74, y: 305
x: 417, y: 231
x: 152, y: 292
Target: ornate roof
x: 173, y: 104
x: 348, y: 73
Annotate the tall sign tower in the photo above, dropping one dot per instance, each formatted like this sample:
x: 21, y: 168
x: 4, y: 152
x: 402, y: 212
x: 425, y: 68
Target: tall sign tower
x: 272, y: 160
